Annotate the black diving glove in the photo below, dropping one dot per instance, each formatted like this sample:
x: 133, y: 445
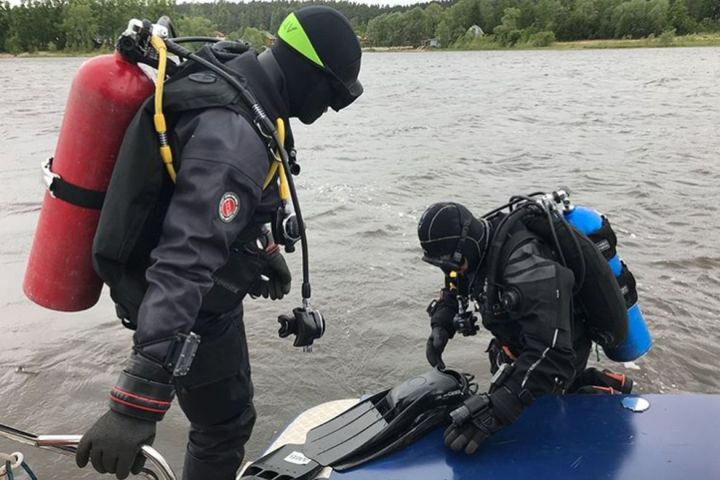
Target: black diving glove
x: 479, y: 417
x: 144, y: 392
x: 278, y: 276
x: 442, y: 312
x: 113, y: 444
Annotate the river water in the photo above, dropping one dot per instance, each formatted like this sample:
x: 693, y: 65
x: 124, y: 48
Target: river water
x: 633, y: 133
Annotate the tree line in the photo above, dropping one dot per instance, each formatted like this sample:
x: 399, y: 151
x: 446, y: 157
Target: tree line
x: 83, y: 25
x: 539, y: 22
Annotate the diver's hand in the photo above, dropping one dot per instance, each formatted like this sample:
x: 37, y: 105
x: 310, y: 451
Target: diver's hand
x: 480, y: 416
x: 113, y: 444
x: 442, y: 313
x: 278, y: 276
x: 470, y: 436
x: 473, y: 422
x: 436, y: 343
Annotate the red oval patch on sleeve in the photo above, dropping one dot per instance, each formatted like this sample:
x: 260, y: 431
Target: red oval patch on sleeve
x: 229, y: 207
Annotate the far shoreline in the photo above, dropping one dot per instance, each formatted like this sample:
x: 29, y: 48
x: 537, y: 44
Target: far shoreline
x: 684, y: 41
x: 694, y: 40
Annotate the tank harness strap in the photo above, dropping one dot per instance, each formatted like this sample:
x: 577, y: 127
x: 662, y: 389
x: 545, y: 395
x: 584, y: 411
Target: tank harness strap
x: 496, y: 302
x: 497, y: 244
x: 605, y: 239
x: 66, y: 191
x: 628, y: 286
x: 515, y: 241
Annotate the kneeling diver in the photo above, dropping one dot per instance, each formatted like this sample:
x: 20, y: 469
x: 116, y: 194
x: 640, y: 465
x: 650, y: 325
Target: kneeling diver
x: 541, y: 308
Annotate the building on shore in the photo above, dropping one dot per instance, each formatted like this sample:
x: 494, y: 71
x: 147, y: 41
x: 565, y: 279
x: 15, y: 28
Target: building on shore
x: 476, y: 31
x: 431, y: 43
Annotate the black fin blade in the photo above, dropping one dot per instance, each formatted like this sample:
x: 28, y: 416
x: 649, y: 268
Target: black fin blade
x: 287, y: 461
x: 347, y: 433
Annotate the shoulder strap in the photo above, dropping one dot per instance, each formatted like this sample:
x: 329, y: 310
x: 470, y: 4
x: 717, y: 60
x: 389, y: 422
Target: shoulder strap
x: 515, y: 241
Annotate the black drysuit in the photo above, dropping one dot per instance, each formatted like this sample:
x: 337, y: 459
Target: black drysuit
x: 180, y: 258
x: 538, y: 330
x: 222, y: 160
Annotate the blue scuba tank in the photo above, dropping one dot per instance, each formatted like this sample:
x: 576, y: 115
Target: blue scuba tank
x: 638, y: 340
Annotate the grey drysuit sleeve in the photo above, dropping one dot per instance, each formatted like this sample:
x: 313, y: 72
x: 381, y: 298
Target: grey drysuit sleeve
x: 219, y: 184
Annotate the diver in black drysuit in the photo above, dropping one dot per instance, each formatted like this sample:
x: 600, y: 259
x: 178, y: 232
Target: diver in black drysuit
x: 181, y: 259
x: 540, y: 343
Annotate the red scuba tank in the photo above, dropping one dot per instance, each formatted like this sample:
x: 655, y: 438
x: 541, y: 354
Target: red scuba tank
x: 105, y: 95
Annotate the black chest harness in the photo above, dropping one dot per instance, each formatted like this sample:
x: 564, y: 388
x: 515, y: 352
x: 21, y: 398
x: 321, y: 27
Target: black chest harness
x: 597, y: 297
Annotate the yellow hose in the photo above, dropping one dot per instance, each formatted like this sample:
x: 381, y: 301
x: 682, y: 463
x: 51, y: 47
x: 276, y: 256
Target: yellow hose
x: 161, y: 127
x: 277, y: 166
x: 159, y: 118
x: 453, y: 280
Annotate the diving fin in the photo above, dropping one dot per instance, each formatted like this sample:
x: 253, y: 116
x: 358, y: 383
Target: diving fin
x: 348, y: 432
x: 387, y: 420
x: 286, y: 462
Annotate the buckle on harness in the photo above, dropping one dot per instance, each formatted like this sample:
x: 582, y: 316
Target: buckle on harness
x: 48, y: 176
x: 182, y: 352
x: 502, y: 374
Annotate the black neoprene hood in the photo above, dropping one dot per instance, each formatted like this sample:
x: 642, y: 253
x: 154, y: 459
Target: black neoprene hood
x: 447, y: 229
x: 323, y: 36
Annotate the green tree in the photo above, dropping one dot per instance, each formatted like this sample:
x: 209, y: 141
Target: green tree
x: 680, y: 19
x: 508, y: 33
x: 24, y: 31
x: 43, y: 24
x: 154, y: 9
x: 486, y: 12
x: 393, y: 29
x: 702, y: 9
x: 547, y: 13
x: 377, y: 31
x: 640, y: 18
x: 442, y: 32
x: 5, y: 13
x: 112, y: 18
x: 255, y: 37
x: 434, y: 14
x: 415, y: 26
x: 192, y: 25
x: 461, y: 16
x: 581, y: 22
x: 79, y: 25
x: 541, y: 39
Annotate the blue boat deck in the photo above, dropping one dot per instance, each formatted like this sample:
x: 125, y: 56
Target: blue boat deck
x: 575, y: 437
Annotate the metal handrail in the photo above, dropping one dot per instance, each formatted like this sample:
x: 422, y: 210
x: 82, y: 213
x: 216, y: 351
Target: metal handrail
x: 67, y: 445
